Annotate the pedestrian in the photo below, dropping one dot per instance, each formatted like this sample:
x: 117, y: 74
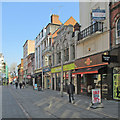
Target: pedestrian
x: 20, y: 85
x: 70, y: 91
x: 23, y: 84
x: 7, y: 83
x: 16, y: 84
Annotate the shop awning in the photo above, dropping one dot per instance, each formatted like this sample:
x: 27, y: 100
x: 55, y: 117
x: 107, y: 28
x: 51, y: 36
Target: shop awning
x: 88, y: 70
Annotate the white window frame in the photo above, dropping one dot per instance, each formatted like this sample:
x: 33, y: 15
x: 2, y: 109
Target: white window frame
x: 117, y: 37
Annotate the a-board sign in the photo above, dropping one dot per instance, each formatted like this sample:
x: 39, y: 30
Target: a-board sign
x: 96, y: 96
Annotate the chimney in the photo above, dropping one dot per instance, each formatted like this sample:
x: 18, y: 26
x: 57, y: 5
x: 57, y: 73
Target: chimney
x: 55, y: 19
x: 77, y: 27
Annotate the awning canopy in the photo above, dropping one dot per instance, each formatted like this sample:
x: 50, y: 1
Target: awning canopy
x: 88, y: 70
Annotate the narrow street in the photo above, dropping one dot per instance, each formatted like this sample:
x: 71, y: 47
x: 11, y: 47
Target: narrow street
x: 29, y: 103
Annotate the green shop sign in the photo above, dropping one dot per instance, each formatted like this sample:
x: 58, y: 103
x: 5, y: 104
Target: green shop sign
x: 69, y: 67
x: 56, y: 69
x: 65, y: 68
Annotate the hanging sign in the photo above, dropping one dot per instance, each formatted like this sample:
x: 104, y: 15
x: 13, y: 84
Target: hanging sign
x: 96, y: 96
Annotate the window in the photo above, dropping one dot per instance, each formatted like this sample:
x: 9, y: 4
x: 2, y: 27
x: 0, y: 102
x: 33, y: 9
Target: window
x: 66, y: 54
x: 118, y: 32
x: 59, y: 57
x: 49, y: 41
x: 118, y: 28
x: 73, y: 51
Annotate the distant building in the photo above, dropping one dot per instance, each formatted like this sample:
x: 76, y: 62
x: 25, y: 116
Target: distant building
x: 1, y: 65
x: 28, y: 48
x: 20, y: 71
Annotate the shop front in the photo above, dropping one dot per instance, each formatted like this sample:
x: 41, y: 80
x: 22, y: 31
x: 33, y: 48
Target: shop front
x: 47, y: 77
x: 37, y: 79
x: 114, y: 73
x: 56, y: 78
x: 67, y: 76
x: 68, y: 69
x: 92, y: 73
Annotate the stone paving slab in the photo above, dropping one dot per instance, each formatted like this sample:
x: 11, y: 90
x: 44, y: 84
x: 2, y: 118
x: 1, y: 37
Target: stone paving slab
x: 49, y: 104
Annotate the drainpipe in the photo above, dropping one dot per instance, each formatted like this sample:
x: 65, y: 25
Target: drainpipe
x: 110, y: 26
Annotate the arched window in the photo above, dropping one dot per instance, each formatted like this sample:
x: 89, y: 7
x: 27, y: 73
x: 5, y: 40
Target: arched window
x: 118, y: 31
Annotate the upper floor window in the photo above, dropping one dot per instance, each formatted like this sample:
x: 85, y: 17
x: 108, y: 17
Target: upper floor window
x: 118, y: 31
x: 49, y: 41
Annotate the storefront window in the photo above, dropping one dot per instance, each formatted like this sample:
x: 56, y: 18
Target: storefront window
x: 83, y: 84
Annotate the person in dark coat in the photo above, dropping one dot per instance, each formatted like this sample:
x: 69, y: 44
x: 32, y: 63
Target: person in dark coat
x: 23, y: 84
x: 70, y: 91
x: 20, y: 85
x: 16, y: 84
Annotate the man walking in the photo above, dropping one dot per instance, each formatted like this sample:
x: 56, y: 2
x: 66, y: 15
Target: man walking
x: 16, y: 84
x: 70, y: 91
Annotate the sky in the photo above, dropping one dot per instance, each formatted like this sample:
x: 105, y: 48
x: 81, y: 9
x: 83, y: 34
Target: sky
x: 23, y: 21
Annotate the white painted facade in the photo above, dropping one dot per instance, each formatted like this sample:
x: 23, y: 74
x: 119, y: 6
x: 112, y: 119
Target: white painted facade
x: 98, y: 41
x: 39, y: 48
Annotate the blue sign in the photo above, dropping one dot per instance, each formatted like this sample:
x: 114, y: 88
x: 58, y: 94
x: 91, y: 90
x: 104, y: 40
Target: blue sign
x: 98, y: 14
x: 46, y: 69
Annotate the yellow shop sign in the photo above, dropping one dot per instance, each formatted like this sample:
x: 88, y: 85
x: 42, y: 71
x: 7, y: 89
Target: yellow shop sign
x: 69, y: 67
x: 56, y: 69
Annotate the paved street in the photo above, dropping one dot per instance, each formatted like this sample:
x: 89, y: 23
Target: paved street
x: 29, y: 103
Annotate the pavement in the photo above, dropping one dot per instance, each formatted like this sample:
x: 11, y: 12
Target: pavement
x: 49, y: 104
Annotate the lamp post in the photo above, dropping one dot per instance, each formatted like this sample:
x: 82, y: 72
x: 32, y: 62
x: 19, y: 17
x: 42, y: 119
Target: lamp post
x: 62, y: 71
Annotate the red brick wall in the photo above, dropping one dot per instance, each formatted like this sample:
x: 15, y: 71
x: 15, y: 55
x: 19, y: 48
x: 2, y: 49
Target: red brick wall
x: 115, y: 14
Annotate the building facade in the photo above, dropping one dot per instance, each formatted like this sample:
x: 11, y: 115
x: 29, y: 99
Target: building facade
x: 20, y: 71
x: 63, y: 55
x: 114, y: 66
x: 1, y: 66
x: 93, y: 42
x: 28, y: 47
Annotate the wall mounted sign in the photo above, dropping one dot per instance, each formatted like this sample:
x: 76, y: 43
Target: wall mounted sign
x: 98, y: 14
x: 88, y: 61
x: 46, y: 69
x: 69, y: 67
x: 56, y: 69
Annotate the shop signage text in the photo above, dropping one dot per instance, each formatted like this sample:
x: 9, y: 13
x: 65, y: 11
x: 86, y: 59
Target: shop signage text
x: 69, y: 67
x: 56, y: 69
x: 98, y: 14
x: 46, y: 69
x: 105, y: 58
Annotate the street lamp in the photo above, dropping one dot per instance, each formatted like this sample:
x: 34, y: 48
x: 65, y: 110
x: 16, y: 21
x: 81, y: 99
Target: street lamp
x: 62, y: 71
